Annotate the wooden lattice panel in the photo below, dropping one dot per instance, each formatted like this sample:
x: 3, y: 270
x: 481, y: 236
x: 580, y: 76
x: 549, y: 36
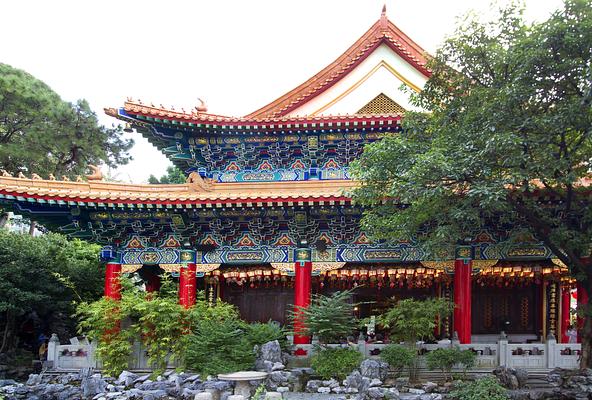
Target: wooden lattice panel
x: 381, y: 104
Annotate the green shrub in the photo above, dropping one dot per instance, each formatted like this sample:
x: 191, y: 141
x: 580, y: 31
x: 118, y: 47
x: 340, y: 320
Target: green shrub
x: 488, y: 388
x: 446, y: 359
x: 259, y: 334
x: 331, y: 318
x: 218, y: 347
x: 335, y: 362
x: 398, y: 357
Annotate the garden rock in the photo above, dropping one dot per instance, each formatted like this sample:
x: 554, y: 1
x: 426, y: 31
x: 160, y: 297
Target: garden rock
x: 511, y: 378
x: 127, y: 378
x: 374, y: 369
x: 430, y: 387
x: 92, y: 385
x: 34, y: 379
x: 313, y: 385
x: 203, y: 396
x: 273, y: 396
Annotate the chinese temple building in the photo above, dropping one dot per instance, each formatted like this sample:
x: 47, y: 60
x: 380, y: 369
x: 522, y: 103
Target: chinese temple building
x: 266, y: 218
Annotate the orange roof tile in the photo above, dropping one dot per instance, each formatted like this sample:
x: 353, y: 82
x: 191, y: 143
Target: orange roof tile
x: 138, y: 108
x: 215, y: 193
x: 383, y: 31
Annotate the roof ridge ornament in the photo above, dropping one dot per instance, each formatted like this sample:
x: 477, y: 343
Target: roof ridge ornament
x: 197, y: 183
x: 383, y: 18
x: 202, y: 106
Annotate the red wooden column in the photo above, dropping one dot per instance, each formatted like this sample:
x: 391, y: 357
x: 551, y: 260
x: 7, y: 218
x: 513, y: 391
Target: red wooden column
x: 302, y: 286
x: 565, y: 311
x: 187, y: 279
x: 112, y: 282
x: 462, y: 295
x: 582, y: 302
x: 182, y: 287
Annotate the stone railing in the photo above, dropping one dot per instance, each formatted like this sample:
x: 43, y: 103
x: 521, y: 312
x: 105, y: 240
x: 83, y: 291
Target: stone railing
x: 547, y: 355
x: 76, y: 355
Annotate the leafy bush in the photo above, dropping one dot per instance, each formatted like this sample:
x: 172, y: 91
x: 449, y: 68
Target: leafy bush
x: 446, y: 359
x: 398, y: 357
x: 410, y: 320
x: 488, y: 388
x: 331, y: 317
x: 335, y: 362
x: 156, y: 319
x: 259, y: 334
x: 219, y: 347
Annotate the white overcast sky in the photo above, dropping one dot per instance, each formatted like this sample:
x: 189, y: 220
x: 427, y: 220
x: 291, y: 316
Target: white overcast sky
x: 238, y: 55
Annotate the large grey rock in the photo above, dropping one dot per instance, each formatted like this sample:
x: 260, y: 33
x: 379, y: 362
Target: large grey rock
x: 270, y: 351
x: 8, y: 382
x: 34, y: 379
x: 511, y: 378
x: 313, y: 385
x: 203, y: 396
x: 93, y: 385
x: 127, y: 378
x: 374, y: 369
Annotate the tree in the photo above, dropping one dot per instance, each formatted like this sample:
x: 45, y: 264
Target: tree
x: 508, y: 118
x: 40, y: 133
x: 40, y: 280
x: 330, y: 317
x: 173, y: 175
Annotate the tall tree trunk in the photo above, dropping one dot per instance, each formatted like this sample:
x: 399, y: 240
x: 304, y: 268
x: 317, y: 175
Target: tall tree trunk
x: 32, y: 226
x: 586, y: 333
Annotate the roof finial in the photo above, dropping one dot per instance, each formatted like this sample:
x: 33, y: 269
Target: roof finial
x: 383, y: 18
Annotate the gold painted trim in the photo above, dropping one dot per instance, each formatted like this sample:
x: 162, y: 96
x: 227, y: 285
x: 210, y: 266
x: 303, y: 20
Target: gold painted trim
x: 484, y: 263
x: 206, y: 267
x: 438, y: 264
x: 559, y: 263
x: 130, y: 268
x: 381, y: 64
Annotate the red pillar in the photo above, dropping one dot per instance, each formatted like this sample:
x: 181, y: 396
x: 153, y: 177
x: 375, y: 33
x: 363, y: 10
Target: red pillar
x: 565, y: 311
x: 112, y: 282
x: 582, y: 302
x: 182, y: 288
x: 187, y: 283
x: 302, y: 286
x: 462, y: 299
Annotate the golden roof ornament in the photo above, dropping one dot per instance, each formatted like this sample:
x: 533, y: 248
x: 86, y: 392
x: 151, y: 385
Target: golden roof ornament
x: 65, y: 178
x: 5, y: 173
x: 21, y: 175
x: 197, y: 183
x: 202, y: 107
x: 96, y: 175
x: 36, y: 177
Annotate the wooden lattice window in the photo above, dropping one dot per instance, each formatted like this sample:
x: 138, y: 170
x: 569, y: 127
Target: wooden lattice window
x: 381, y: 104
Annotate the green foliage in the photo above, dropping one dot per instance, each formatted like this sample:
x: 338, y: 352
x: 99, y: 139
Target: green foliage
x: 156, y: 319
x: 173, y: 175
x: 41, y: 133
x: 219, y: 347
x: 46, y: 274
x: 220, y: 341
x: 335, y: 362
x: 330, y: 317
x: 446, y: 359
x: 260, y: 392
x: 487, y: 388
x: 398, y: 357
x: 507, y: 114
x: 411, y: 320
x: 259, y: 334
x: 101, y: 321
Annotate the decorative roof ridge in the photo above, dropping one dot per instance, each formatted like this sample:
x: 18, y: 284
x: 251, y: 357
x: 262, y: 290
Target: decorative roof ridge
x: 138, y: 108
x: 111, y: 192
x: 382, y: 31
